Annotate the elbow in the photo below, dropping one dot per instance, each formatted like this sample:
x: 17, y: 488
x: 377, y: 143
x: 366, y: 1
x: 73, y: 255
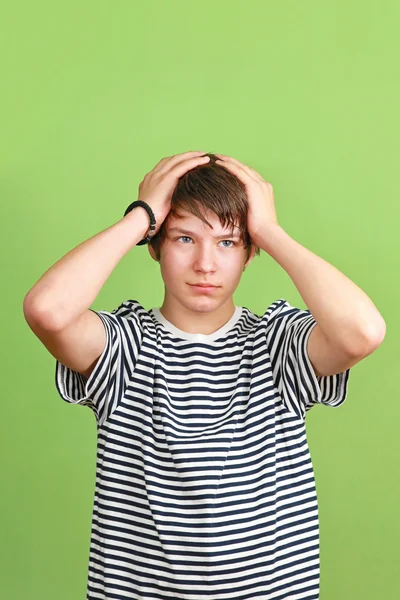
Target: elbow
x: 372, y: 339
x: 377, y: 335
x: 34, y: 312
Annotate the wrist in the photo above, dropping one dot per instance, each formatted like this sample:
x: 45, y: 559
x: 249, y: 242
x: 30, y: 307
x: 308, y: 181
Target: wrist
x: 265, y: 238
x: 140, y: 218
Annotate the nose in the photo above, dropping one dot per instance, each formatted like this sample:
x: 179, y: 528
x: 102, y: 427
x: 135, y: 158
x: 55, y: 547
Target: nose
x: 205, y: 259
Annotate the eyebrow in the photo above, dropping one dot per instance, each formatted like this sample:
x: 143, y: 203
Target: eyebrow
x: 217, y: 237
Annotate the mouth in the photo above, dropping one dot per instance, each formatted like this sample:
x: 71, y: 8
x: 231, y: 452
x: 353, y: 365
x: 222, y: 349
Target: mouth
x: 203, y: 288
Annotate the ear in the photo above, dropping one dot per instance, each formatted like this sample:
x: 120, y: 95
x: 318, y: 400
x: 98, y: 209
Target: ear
x: 152, y: 253
x: 252, y: 254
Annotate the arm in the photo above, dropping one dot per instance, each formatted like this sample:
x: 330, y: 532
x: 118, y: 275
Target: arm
x: 67, y: 290
x: 349, y: 325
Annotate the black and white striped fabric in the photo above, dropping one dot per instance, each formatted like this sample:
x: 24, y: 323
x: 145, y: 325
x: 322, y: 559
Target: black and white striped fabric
x: 204, y: 485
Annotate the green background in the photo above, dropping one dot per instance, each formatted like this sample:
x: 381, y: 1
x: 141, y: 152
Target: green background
x: 93, y: 95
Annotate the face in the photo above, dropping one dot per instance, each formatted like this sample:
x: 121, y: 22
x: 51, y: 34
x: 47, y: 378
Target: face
x: 194, y: 253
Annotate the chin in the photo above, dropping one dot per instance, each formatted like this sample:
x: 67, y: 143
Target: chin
x: 203, y: 303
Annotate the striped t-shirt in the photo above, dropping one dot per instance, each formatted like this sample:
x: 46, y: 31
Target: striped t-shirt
x: 205, y: 488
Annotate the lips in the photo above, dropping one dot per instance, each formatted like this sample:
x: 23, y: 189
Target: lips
x: 203, y: 289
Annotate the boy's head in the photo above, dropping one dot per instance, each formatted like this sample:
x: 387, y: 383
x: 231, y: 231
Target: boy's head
x: 208, y: 201
x: 204, y: 189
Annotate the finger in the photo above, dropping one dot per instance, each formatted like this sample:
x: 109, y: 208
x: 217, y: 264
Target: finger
x: 182, y: 167
x: 172, y: 160
x: 252, y: 172
x: 239, y: 169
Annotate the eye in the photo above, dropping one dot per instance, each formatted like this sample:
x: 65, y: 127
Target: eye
x: 189, y: 238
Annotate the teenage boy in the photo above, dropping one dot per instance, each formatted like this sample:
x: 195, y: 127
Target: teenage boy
x: 204, y: 481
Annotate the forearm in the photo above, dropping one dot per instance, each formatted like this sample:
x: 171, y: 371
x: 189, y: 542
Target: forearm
x: 72, y: 284
x: 345, y: 314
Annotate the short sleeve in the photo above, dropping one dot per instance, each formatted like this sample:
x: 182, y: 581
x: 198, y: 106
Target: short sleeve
x: 288, y: 330
x: 107, y: 383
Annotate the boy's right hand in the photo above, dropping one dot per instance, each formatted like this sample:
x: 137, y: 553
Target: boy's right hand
x: 158, y: 185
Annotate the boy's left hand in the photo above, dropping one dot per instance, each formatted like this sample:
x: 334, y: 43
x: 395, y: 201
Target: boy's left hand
x: 260, y: 194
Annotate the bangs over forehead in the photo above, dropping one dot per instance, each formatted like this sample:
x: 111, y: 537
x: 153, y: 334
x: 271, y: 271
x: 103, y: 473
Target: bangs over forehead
x: 179, y: 222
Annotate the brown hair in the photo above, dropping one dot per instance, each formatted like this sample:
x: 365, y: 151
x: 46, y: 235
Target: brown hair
x: 212, y: 187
